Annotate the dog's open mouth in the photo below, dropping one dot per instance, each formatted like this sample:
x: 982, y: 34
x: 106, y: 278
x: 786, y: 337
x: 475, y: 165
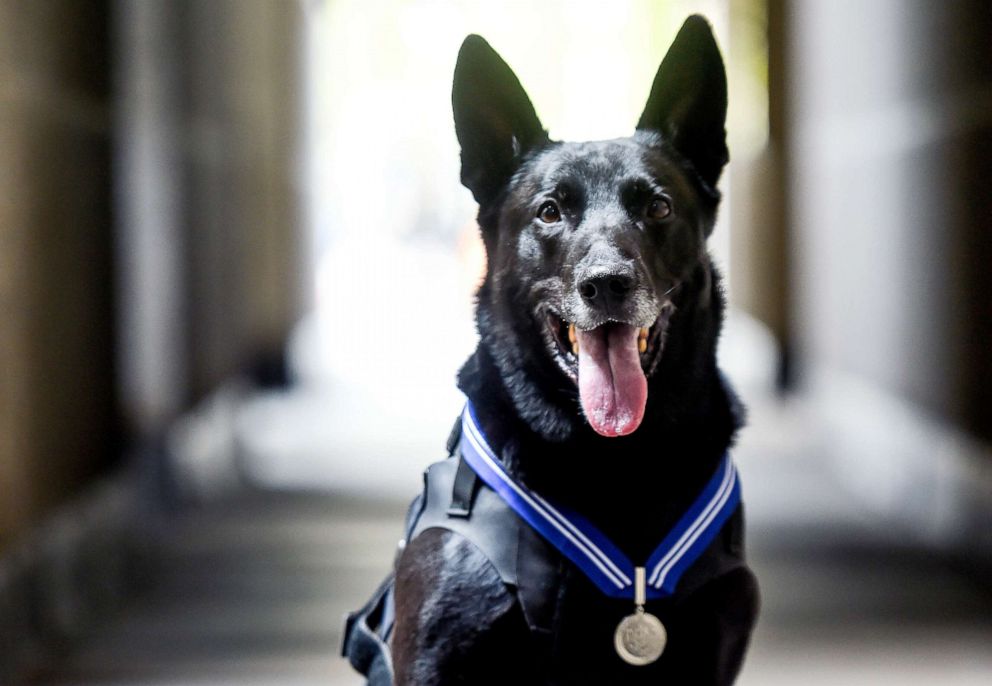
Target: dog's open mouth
x: 610, y: 364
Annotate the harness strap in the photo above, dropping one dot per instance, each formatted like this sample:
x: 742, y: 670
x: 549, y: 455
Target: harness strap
x: 454, y: 437
x: 463, y: 490
x: 365, y: 636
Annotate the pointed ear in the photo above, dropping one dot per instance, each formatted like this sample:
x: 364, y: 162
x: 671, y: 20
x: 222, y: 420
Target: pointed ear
x: 494, y: 119
x: 688, y: 101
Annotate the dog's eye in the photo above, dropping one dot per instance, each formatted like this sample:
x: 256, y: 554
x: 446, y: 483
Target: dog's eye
x: 658, y: 208
x: 548, y: 212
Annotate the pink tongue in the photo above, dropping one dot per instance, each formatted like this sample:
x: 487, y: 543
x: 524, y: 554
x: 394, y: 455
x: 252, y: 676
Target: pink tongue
x: 612, y: 386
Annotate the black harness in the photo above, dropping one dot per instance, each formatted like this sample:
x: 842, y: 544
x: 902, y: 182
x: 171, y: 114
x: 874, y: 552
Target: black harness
x: 455, y: 499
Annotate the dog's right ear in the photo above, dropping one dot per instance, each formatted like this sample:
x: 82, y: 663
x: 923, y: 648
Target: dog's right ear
x: 494, y: 119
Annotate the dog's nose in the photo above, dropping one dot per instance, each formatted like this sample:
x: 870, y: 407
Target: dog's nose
x: 606, y: 290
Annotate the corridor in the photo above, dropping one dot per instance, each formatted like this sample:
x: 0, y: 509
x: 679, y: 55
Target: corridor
x: 238, y: 272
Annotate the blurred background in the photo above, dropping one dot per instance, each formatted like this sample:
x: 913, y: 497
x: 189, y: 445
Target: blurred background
x: 219, y: 381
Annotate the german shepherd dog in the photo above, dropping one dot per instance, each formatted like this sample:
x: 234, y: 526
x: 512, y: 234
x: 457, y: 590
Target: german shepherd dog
x: 595, y: 379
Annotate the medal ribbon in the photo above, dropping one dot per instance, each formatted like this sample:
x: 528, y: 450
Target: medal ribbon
x: 589, y: 548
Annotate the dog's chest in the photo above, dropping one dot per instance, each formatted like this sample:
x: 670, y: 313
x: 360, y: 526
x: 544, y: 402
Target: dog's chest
x: 581, y: 648
x: 573, y: 623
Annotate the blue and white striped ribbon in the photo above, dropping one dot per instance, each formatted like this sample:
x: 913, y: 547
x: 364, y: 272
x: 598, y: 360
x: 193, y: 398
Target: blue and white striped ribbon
x: 585, y: 545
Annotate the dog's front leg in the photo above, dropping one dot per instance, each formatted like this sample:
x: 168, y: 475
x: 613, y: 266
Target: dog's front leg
x: 711, y: 631
x: 456, y: 622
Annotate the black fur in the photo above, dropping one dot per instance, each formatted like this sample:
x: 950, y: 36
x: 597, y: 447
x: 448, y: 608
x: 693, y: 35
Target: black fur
x: 456, y: 623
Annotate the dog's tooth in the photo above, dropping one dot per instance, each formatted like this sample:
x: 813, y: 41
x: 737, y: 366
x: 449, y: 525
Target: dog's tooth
x: 575, y: 348
x: 642, y: 340
x: 571, y: 335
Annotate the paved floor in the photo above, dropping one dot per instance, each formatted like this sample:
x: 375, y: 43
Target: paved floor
x: 248, y: 591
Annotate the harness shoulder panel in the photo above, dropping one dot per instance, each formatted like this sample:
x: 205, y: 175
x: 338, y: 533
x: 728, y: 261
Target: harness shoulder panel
x: 522, y: 558
x: 487, y: 522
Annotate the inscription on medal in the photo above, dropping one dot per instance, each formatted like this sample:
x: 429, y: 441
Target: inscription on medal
x: 640, y: 638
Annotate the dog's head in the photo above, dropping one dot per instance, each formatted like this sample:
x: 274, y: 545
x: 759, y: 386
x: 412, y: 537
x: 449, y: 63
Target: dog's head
x: 588, y: 243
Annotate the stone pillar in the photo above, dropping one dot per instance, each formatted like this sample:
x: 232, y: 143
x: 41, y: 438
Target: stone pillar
x: 58, y: 417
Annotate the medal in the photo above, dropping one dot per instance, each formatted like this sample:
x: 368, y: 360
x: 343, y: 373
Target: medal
x: 640, y: 638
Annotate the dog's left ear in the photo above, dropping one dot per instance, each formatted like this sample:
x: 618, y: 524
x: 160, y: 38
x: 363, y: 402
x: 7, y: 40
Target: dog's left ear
x: 688, y: 101
x: 494, y: 119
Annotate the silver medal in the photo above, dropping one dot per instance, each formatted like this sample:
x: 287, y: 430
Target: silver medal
x: 641, y: 637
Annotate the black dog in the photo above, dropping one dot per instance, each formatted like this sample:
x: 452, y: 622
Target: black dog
x: 595, y: 385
